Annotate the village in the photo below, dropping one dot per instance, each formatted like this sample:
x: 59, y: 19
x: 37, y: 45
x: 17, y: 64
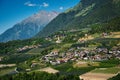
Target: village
x: 82, y: 53
x: 63, y: 53
x: 98, y: 54
x: 28, y: 47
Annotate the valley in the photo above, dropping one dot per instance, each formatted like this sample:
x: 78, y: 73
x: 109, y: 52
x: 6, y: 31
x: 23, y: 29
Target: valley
x: 81, y: 43
x: 73, y: 55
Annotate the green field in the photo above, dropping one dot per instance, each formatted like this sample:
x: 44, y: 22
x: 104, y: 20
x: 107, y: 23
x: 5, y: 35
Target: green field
x: 6, y: 71
x: 113, y: 70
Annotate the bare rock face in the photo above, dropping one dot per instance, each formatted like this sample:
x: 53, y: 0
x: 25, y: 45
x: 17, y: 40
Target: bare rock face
x: 28, y: 27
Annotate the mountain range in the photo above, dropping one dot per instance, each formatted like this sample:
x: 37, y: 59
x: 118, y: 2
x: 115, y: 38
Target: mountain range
x: 28, y: 27
x: 84, y: 14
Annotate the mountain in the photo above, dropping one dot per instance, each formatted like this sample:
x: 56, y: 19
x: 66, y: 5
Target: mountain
x: 85, y: 13
x: 28, y: 27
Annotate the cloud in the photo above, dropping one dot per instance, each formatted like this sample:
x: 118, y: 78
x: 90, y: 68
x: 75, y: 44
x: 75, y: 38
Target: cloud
x: 61, y: 8
x: 44, y: 4
x: 30, y: 4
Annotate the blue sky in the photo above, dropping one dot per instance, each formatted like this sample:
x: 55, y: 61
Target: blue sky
x: 14, y: 11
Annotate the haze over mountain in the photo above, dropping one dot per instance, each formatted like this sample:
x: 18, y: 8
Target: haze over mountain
x: 85, y: 13
x: 28, y: 27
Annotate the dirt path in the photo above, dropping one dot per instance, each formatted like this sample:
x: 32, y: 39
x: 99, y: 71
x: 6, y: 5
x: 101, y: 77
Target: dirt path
x: 7, y: 65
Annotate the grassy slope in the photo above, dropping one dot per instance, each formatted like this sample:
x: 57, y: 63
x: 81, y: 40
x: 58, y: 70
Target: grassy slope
x: 103, y: 11
x: 6, y: 71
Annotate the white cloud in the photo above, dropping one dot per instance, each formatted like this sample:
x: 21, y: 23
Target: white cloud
x: 45, y: 4
x: 30, y: 4
x: 61, y: 8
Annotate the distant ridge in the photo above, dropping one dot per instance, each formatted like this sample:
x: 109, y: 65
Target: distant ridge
x: 85, y: 13
x: 28, y: 27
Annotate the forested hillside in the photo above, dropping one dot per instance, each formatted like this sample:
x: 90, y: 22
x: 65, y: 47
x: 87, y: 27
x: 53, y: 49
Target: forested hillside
x: 84, y: 14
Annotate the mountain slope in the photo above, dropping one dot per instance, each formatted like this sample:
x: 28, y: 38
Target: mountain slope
x: 85, y: 13
x: 28, y: 27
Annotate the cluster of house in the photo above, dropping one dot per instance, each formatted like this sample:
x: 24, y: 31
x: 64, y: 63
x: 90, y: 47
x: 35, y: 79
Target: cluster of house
x: 105, y: 34
x: 28, y: 47
x: 89, y: 37
x: 57, y: 38
x: 34, y: 64
x: 98, y: 54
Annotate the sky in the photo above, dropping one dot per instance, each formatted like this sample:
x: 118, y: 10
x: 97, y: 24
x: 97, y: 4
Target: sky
x: 14, y: 11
